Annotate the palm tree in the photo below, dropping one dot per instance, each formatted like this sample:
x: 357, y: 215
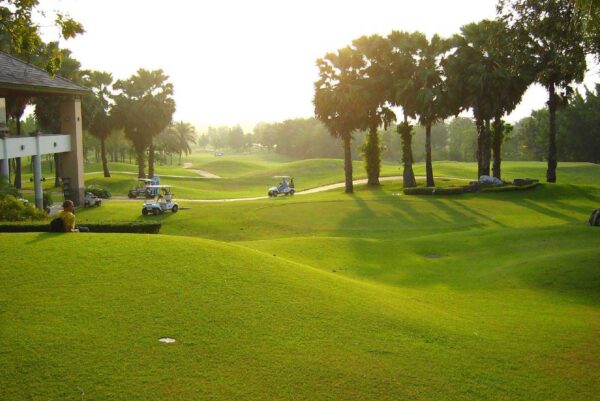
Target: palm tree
x: 336, y: 92
x: 403, y: 91
x: 144, y: 107
x: 98, y: 119
x: 551, y: 33
x: 485, y: 75
x: 184, y: 134
x: 431, y: 93
x: 374, y: 83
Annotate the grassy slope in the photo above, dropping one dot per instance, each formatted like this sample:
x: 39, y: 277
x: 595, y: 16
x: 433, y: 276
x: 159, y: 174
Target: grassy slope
x: 326, y: 296
x: 256, y: 326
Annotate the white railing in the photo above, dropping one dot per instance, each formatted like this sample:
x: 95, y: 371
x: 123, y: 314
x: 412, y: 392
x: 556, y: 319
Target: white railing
x: 21, y: 146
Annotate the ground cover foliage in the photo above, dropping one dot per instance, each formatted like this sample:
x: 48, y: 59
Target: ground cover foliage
x: 373, y: 295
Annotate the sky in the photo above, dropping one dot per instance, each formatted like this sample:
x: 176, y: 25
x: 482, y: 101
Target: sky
x: 244, y: 62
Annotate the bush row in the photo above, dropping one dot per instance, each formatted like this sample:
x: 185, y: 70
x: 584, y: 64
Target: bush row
x: 132, y: 228
x: 98, y: 191
x: 466, y: 189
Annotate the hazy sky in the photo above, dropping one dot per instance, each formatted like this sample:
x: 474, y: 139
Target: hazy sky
x: 234, y: 61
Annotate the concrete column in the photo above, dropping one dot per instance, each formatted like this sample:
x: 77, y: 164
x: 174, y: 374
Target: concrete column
x: 37, y: 181
x: 4, y: 171
x: 71, y: 163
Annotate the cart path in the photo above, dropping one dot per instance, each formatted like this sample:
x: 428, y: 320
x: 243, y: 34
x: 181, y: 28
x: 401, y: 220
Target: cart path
x: 322, y: 188
x: 203, y: 173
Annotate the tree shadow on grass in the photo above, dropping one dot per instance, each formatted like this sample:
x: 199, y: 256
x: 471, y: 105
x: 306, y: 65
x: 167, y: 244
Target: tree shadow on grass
x: 45, y: 236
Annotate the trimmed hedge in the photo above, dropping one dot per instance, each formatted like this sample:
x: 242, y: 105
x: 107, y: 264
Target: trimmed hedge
x: 467, y: 189
x: 131, y: 228
x: 98, y: 191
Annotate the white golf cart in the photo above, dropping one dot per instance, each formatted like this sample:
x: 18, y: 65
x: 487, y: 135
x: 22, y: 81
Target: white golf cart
x: 141, y: 189
x: 285, y: 187
x: 161, y: 203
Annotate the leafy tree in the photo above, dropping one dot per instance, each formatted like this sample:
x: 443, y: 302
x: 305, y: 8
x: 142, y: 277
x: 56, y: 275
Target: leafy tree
x: 462, y: 139
x: 550, y: 31
x: 336, y: 91
x: 15, y: 107
x: 486, y: 76
x: 403, y: 68
x: 47, y: 108
x: 97, y: 108
x: 236, y: 138
x: 184, y: 136
x: 20, y: 36
x: 143, y: 108
x: 374, y: 83
x: 431, y: 100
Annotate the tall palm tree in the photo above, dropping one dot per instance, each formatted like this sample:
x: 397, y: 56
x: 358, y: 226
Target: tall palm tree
x: 431, y: 92
x: 144, y: 107
x: 98, y: 104
x: 374, y: 83
x: 551, y: 33
x: 403, y: 91
x: 485, y: 75
x: 336, y: 91
x: 185, y: 135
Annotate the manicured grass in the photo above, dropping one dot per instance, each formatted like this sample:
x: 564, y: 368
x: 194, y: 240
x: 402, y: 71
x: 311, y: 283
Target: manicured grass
x: 370, y: 296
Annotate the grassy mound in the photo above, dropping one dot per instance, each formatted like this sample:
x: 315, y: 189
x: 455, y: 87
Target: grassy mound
x: 86, y: 320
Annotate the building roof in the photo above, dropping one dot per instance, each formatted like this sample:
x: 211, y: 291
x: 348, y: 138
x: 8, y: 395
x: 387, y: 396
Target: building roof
x: 18, y: 75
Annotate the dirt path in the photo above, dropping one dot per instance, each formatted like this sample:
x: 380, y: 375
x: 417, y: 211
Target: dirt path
x: 202, y: 173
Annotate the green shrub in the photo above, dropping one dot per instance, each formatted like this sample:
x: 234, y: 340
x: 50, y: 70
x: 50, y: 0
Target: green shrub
x: 506, y: 188
x: 98, y: 191
x: 7, y: 189
x: 47, y: 198
x: 13, y: 209
x: 132, y: 228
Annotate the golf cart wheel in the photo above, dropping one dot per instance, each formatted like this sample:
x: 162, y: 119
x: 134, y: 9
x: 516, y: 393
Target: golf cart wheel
x: 145, y: 212
x: 292, y: 192
x: 175, y: 208
x: 156, y: 212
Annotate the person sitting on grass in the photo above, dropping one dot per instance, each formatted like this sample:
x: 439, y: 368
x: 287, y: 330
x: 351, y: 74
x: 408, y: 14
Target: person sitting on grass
x: 67, y: 215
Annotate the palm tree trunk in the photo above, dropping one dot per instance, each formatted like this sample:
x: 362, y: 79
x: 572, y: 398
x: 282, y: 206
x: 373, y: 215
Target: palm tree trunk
x: 151, y: 161
x: 428, y: 164
x: 552, y: 162
x: 497, y: 147
x: 480, y: 135
x: 372, y: 157
x: 348, y: 163
x: 487, y: 149
x: 103, y: 155
x: 179, y: 158
x: 408, y: 174
x: 141, y: 160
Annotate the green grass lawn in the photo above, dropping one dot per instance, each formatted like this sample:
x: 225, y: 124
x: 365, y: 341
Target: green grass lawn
x: 371, y: 296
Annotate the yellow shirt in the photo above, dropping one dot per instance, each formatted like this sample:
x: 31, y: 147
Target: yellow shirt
x: 68, y: 218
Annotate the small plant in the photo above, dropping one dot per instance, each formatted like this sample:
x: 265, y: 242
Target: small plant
x: 47, y: 199
x: 98, y: 191
x: 13, y: 209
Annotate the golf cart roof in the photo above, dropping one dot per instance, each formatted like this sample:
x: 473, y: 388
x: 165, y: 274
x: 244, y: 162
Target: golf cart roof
x: 281, y: 176
x: 159, y: 186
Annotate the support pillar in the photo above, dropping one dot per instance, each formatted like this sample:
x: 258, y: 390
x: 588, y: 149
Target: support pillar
x: 71, y: 163
x: 38, y: 181
x: 4, y: 170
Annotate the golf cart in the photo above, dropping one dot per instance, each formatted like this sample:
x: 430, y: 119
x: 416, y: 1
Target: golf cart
x: 141, y: 189
x: 162, y: 203
x: 91, y: 200
x: 285, y: 187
